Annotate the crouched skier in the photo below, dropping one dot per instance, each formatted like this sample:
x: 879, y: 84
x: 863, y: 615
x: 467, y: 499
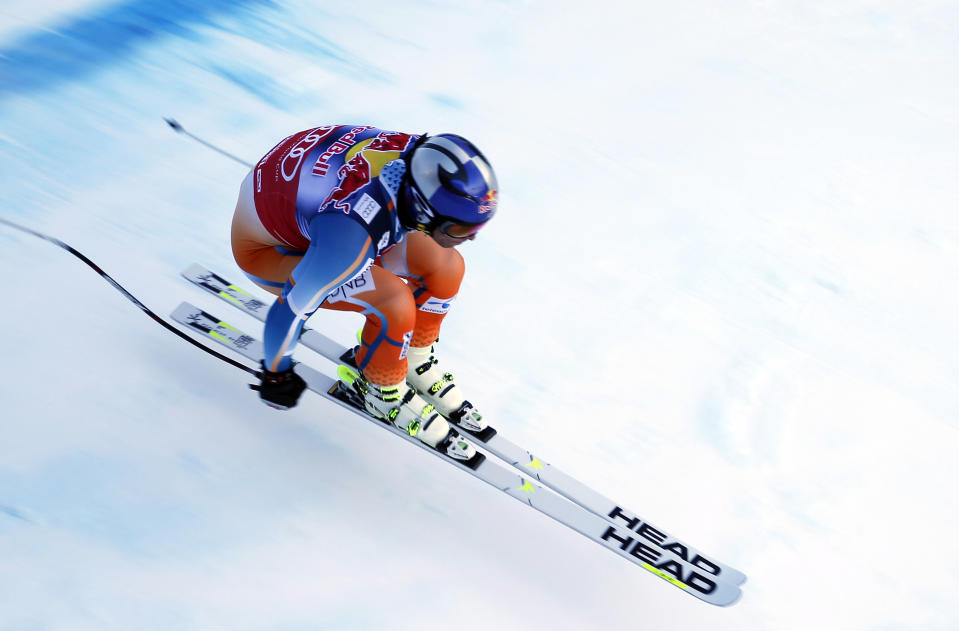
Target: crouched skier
x: 336, y: 217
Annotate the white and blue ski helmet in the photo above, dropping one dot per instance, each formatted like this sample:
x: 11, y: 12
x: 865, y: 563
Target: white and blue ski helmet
x: 452, y: 186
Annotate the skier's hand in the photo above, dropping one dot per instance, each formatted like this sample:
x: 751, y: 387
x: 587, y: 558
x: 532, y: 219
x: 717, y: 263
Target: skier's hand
x: 280, y: 390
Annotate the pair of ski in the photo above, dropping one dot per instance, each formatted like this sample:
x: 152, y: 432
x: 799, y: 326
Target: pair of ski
x: 572, y: 503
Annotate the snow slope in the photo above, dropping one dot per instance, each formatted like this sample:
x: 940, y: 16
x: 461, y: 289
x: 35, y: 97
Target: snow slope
x: 722, y: 287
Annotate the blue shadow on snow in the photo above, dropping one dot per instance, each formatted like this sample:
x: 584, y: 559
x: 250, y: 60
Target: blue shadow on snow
x: 43, y: 58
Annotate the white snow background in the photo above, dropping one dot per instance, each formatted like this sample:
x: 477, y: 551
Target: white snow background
x: 721, y: 288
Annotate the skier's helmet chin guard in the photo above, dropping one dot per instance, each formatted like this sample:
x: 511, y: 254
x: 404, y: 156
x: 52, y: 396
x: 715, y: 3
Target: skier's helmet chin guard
x: 452, y: 187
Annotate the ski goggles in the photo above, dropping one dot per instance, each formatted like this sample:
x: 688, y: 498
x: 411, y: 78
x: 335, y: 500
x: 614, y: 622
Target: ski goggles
x: 459, y: 230
x: 425, y: 214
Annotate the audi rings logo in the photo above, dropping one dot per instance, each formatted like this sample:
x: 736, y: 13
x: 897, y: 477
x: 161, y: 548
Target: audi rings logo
x: 291, y: 162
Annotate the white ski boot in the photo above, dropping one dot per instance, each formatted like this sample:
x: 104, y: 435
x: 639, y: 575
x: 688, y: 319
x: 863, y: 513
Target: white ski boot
x: 404, y: 408
x: 437, y: 388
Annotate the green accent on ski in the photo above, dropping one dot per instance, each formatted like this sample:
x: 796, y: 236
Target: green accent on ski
x: 346, y: 374
x: 413, y: 428
x: 664, y: 575
x: 536, y: 464
x: 220, y: 337
x: 227, y: 296
x: 529, y: 488
x: 227, y: 326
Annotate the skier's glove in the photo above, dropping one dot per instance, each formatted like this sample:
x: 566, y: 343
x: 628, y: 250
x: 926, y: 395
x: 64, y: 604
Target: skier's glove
x: 280, y: 390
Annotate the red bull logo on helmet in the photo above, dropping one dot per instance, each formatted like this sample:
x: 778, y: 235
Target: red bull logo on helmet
x: 489, y: 202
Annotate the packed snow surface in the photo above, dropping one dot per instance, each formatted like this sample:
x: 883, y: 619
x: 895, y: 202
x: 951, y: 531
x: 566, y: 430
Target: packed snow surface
x: 722, y: 287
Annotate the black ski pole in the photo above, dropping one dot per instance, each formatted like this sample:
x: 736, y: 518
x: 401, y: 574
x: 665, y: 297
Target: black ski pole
x: 179, y: 128
x: 129, y: 296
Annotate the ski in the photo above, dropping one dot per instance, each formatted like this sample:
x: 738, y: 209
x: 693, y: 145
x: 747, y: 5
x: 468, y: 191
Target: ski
x: 518, y: 457
x: 628, y: 544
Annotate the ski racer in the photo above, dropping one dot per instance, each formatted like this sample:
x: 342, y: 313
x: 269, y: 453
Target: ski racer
x: 355, y: 218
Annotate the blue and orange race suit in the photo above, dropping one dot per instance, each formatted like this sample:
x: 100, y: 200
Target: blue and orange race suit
x: 317, y: 224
